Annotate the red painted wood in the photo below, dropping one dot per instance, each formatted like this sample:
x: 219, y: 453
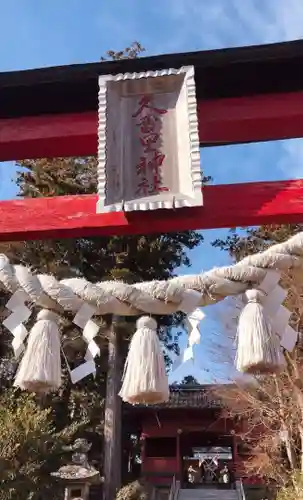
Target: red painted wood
x: 224, y: 206
x: 48, y: 136
x: 160, y: 464
x: 158, y: 470
x: 245, y: 119
x: 169, y: 427
x: 251, y: 119
x: 179, y: 458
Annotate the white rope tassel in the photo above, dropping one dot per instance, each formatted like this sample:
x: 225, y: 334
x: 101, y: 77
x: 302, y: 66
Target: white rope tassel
x: 40, y: 368
x: 145, y: 380
x: 258, y: 349
x: 182, y: 293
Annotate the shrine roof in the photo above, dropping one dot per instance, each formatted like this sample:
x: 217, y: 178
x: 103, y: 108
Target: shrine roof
x: 232, y: 72
x: 189, y: 396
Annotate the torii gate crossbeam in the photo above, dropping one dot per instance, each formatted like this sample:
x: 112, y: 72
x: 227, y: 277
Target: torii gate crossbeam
x: 244, y: 95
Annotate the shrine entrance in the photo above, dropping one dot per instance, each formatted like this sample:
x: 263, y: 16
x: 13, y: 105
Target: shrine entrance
x: 207, y: 460
x: 205, y: 99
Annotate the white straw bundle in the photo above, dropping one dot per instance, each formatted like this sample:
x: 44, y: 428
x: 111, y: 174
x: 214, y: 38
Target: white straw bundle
x: 258, y: 349
x: 40, y: 368
x: 145, y: 380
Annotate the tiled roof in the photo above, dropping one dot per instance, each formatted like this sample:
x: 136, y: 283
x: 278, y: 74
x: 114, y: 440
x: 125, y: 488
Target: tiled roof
x: 190, y: 396
x: 193, y: 396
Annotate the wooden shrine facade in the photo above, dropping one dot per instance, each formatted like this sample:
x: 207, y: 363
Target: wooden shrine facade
x: 243, y: 94
x: 192, y: 424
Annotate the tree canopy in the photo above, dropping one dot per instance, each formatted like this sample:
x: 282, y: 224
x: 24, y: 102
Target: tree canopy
x: 189, y: 380
x: 272, y: 406
x: 130, y: 258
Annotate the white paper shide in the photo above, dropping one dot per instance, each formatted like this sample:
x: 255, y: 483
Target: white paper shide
x: 148, y: 156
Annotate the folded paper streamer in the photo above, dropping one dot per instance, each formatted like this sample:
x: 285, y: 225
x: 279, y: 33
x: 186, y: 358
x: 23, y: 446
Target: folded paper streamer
x: 40, y: 367
x: 145, y: 380
x: 90, y: 330
x: 191, y: 324
x: 14, y: 322
x: 263, y: 325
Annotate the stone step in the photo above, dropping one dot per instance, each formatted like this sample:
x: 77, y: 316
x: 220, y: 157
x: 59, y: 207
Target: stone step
x: 205, y: 497
x: 207, y: 494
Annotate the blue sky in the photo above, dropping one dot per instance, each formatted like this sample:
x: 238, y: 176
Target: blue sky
x: 35, y: 34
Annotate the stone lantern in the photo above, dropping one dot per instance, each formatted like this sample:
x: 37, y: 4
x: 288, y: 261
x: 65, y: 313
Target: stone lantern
x: 77, y: 477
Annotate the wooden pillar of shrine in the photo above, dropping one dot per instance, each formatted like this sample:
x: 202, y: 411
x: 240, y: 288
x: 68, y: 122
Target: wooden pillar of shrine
x: 142, y: 451
x: 235, y: 454
x: 113, y: 411
x: 179, y: 474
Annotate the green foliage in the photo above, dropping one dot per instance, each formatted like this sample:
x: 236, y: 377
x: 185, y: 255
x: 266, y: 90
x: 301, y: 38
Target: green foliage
x: 189, y: 380
x: 129, y: 258
x: 30, y: 448
x: 294, y: 490
x: 137, y: 490
x: 256, y: 239
x: 280, y: 397
x: 131, y: 52
x: 132, y: 258
x: 26, y: 430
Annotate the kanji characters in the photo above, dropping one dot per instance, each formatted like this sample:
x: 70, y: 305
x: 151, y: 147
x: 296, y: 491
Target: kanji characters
x: 148, y: 141
x: 156, y: 161
x: 149, y: 165
x: 146, y: 103
x: 141, y: 165
x: 147, y: 123
x: 143, y: 187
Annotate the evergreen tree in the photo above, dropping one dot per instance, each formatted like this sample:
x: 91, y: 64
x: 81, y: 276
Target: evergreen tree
x: 256, y: 239
x: 274, y: 405
x: 130, y: 258
x: 30, y: 448
x: 189, y: 380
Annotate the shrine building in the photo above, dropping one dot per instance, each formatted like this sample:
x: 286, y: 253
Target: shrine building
x: 192, y: 426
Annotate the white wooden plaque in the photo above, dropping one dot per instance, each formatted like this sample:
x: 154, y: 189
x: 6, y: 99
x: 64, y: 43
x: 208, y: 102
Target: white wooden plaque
x: 148, y: 155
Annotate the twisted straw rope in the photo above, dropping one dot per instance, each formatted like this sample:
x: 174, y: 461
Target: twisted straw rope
x: 154, y: 297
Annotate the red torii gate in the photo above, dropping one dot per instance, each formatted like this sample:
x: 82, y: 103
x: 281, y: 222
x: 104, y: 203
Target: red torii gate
x: 244, y: 94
